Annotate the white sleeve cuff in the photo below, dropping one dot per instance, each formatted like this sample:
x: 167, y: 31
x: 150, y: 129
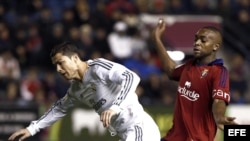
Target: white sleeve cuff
x: 115, y: 108
x: 31, y: 128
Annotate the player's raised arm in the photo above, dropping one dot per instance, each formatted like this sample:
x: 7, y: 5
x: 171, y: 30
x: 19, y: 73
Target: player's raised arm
x: 168, y: 64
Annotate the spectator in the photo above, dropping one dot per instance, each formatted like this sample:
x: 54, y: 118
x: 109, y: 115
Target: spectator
x: 119, y: 42
x: 238, y: 79
x: 9, y: 68
x: 30, y: 84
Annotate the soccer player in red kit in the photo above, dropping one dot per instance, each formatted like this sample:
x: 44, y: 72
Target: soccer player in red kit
x: 203, y: 89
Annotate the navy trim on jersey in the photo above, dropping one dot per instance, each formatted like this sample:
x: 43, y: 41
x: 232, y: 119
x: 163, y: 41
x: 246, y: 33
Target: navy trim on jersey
x: 138, y: 133
x: 127, y: 86
x: 223, y: 77
x: 216, y: 62
x: 58, y: 102
x: 105, y: 65
x: 129, y: 76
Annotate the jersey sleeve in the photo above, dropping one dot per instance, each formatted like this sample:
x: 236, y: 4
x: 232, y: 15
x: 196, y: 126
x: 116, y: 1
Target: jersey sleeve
x: 177, y: 72
x: 128, y: 81
x: 221, y: 85
x: 57, y: 111
x: 176, y: 75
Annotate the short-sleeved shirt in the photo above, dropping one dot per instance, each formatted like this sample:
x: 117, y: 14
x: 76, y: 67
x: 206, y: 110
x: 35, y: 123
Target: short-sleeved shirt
x: 198, y: 86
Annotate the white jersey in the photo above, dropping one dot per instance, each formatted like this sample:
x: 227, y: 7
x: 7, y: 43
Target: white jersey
x: 106, y: 85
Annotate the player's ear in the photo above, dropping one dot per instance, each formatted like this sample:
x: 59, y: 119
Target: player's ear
x: 216, y: 47
x: 75, y: 57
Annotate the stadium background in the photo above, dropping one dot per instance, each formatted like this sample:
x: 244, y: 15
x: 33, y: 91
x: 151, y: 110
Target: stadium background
x: 29, y: 28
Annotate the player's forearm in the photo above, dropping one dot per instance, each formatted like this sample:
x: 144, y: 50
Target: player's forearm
x: 56, y: 112
x: 43, y: 122
x: 219, y: 109
x: 168, y: 64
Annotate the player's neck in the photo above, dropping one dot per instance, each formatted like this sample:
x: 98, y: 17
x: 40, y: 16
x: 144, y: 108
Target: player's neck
x: 83, y: 66
x: 204, y: 61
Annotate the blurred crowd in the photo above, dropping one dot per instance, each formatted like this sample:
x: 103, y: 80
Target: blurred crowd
x: 109, y: 29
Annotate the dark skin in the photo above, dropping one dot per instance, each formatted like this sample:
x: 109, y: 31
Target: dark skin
x: 206, y: 44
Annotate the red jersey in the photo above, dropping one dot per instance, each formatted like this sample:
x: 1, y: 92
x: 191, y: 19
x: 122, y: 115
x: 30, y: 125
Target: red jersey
x: 198, y: 86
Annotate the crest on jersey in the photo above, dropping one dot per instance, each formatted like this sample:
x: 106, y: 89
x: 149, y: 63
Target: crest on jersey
x: 92, y: 87
x: 204, y: 73
x: 187, y: 84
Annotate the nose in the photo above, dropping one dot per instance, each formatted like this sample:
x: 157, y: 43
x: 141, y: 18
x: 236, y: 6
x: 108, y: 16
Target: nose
x: 58, y: 68
x: 197, y: 42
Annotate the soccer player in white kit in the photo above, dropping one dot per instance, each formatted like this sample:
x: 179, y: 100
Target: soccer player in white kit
x: 107, y: 87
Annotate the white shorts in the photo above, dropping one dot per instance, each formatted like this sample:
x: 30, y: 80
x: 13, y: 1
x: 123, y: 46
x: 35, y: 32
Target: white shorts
x: 147, y: 130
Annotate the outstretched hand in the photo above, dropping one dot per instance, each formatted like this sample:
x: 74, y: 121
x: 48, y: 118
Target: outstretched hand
x: 106, y: 116
x: 226, y: 121
x: 22, y: 134
x: 159, y: 29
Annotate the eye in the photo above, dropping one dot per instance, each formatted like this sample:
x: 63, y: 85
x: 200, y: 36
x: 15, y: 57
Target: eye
x: 203, y: 40
x: 60, y: 63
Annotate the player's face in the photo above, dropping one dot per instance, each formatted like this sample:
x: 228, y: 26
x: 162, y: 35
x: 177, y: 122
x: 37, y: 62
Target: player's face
x: 205, y: 43
x: 65, y: 65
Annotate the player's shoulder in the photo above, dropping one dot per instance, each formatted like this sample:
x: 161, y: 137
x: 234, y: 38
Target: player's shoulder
x: 218, y: 66
x: 100, y: 65
x: 188, y: 62
x: 97, y: 61
x: 220, y: 69
x: 218, y: 63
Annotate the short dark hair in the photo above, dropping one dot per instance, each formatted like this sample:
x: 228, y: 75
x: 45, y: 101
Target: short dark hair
x: 214, y: 29
x: 66, y: 48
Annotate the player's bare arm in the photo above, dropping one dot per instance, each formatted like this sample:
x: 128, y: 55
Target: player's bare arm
x: 219, y: 108
x: 167, y: 62
x: 106, y: 117
x: 21, y: 134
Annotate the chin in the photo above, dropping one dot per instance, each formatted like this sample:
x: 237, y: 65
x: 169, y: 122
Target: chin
x: 197, y: 56
x: 67, y: 78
